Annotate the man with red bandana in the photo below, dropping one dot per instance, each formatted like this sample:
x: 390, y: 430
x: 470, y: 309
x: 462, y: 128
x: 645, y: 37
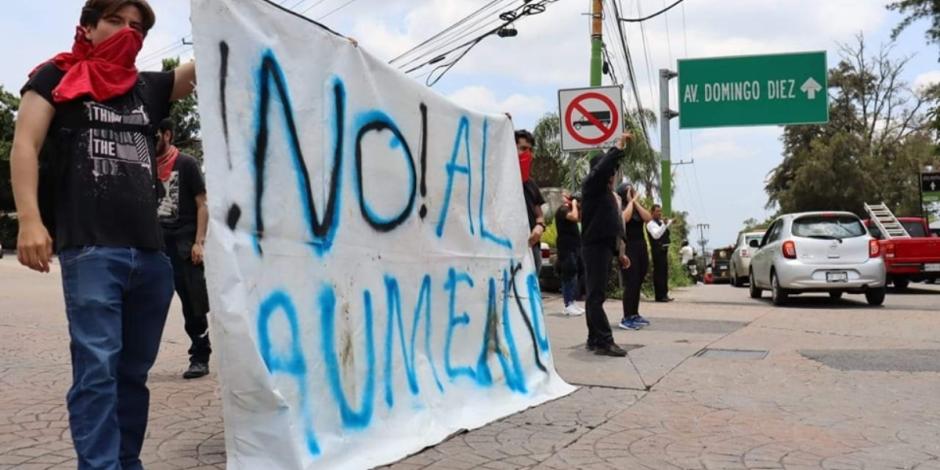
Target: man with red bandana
x: 532, y: 194
x: 93, y: 118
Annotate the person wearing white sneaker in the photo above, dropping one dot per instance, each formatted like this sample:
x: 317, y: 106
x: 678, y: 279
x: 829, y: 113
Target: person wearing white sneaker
x: 568, y: 243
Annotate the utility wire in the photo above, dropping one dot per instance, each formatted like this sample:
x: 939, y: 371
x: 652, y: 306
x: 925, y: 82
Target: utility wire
x: 646, y: 57
x: 350, y: 2
x: 456, y: 33
x: 507, y: 18
x: 654, y: 15
x: 444, y: 32
x: 631, y: 72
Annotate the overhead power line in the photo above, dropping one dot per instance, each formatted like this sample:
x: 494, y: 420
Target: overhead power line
x: 654, y: 15
x: 507, y: 18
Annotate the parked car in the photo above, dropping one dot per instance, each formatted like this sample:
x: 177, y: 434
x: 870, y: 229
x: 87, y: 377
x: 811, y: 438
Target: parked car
x: 548, y: 278
x: 741, y: 257
x: 910, y: 259
x: 818, y: 252
x: 721, y: 265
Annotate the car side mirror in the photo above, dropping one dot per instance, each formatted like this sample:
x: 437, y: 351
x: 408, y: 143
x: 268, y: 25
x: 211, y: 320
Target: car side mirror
x: 754, y: 243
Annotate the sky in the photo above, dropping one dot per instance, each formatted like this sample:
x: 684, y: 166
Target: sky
x: 522, y: 74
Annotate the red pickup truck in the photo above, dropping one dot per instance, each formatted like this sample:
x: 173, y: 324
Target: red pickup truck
x: 910, y: 259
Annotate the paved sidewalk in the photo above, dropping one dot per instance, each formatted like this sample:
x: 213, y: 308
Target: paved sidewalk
x: 842, y: 386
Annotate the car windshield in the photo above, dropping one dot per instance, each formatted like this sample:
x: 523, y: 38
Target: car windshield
x: 835, y: 227
x: 750, y: 238
x: 915, y: 229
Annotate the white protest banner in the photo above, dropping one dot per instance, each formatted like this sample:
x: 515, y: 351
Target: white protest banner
x: 371, y: 285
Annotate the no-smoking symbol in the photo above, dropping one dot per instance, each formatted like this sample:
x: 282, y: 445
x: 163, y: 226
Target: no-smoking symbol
x: 592, y: 117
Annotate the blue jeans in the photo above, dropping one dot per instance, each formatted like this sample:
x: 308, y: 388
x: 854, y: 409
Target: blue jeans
x: 569, y: 289
x: 116, y: 300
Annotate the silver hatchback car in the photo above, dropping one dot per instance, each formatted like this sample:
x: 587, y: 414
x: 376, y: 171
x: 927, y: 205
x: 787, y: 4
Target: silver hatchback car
x: 818, y: 252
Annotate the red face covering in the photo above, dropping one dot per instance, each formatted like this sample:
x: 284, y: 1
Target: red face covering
x: 166, y: 161
x: 525, y: 164
x: 103, y: 72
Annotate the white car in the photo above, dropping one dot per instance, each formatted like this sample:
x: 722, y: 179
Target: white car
x: 818, y: 252
x: 741, y: 257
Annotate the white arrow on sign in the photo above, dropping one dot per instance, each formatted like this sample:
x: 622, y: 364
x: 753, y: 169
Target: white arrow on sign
x: 811, y: 87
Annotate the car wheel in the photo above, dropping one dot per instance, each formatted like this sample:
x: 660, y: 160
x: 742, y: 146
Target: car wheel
x: 779, y: 295
x: 875, y: 297
x: 734, y: 279
x: 901, y: 284
x: 755, y: 291
x: 835, y: 295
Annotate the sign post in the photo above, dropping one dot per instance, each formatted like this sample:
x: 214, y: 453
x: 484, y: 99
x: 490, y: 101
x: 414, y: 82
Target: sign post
x: 774, y: 89
x: 591, y: 118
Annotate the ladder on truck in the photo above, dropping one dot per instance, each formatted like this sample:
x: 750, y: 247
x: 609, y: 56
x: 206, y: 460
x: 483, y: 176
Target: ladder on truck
x: 885, y: 220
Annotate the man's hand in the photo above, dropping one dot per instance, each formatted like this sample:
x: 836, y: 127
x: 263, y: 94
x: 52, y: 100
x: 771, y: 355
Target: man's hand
x: 536, y: 235
x: 624, y: 138
x: 198, y: 253
x: 34, y: 246
x: 624, y: 262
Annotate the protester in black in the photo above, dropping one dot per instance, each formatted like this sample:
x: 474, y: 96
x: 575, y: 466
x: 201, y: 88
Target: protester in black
x: 532, y: 194
x: 568, y: 246
x: 97, y: 116
x: 184, y: 216
x: 634, y: 215
x: 658, y: 229
x: 601, y: 227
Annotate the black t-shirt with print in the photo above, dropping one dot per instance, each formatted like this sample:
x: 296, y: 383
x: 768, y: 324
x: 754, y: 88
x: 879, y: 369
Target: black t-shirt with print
x: 105, y: 184
x: 177, y: 209
x: 569, y: 234
x: 533, y: 200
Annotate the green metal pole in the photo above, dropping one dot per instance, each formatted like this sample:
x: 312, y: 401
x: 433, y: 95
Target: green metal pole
x: 597, y: 62
x: 597, y: 42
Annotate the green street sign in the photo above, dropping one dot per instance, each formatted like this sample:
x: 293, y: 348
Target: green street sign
x: 753, y: 90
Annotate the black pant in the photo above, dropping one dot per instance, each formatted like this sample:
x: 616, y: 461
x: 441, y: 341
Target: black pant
x: 597, y: 260
x: 631, y: 280
x: 190, y: 283
x: 661, y: 272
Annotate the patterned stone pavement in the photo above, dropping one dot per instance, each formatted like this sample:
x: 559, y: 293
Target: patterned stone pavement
x: 663, y: 407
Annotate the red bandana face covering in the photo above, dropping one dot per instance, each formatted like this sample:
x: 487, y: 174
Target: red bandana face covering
x: 525, y: 165
x: 166, y: 162
x: 103, y: 72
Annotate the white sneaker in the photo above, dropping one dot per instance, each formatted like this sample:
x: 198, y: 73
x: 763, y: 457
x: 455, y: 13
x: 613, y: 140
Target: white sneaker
x: 573, y: 311
x: 579, y: 308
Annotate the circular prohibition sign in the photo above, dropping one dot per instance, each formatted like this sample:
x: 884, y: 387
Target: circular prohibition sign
x: 606, y: 131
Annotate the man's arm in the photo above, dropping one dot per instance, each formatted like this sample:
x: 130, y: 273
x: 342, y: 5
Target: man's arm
x: 202, y: 222
x: 597, y: 178
x: 34, y: 245
x: 184, y: 81
x: 536, y: 235
x: 656, y: 231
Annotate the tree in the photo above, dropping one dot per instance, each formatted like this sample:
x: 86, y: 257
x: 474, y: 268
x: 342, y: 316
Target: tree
x: 9, y: 104
x: 916, y: 10
x: 878, y: 137
x: 185, y: 116
x: 549, y: 162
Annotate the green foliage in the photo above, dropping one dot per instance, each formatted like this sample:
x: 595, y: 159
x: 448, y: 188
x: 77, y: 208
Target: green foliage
x: 9, y: 104
x: 550, y: 235
x: 554, y: 168
x: 185, y: 116
x: 9, y: 229
x: 915, y: 10
x: 872, y: 150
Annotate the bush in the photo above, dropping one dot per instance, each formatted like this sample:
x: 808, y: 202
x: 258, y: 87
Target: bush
x: 8, y: 232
